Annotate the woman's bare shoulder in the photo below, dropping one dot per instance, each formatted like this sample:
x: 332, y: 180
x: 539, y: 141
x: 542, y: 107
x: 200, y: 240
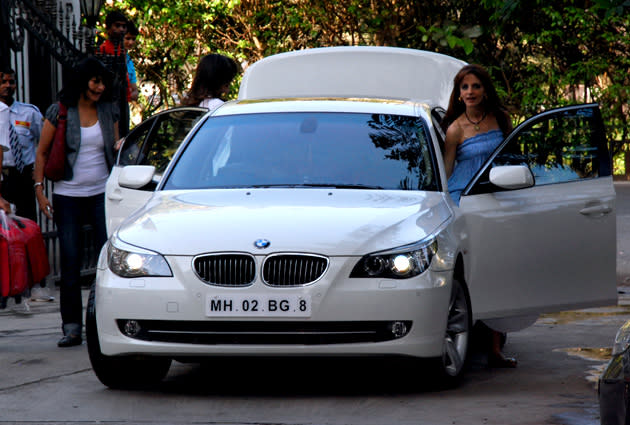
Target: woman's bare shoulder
x: 454, y: 132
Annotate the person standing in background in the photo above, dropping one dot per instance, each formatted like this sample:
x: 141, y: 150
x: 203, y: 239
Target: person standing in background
x: 116, y: 27
x: 211, y: 82
x: 25, y: 121
x: 4, y: 146
x: 129, y: 41
x: 112, y: 52
x: 20, y: 127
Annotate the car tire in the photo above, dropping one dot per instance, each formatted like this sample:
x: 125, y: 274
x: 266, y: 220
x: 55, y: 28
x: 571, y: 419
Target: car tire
x: 120, y: 372
x: 448, y: 369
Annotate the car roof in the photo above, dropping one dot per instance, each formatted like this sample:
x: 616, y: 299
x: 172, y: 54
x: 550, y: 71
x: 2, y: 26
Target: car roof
x: 353, y: 72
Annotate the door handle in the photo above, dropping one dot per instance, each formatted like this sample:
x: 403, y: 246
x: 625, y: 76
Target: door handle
x: 596, y: 210
x: 114, y: 197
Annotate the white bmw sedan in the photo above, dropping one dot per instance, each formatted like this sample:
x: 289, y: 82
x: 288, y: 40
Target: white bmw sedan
x: 311, y: 217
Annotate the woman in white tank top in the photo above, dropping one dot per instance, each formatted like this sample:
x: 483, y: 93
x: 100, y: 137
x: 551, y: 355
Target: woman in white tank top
x: 79, y: 198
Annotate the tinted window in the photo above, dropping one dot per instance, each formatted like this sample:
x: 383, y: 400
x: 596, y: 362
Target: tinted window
x: 563, y: 147
x: 133, y: 143
x: 308, y: 149
x: 170, y: 131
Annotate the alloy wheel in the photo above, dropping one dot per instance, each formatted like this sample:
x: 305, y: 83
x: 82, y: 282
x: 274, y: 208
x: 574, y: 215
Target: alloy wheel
x: 457, y: 335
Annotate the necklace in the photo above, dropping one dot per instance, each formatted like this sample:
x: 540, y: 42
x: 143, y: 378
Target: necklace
x: 475, y: 124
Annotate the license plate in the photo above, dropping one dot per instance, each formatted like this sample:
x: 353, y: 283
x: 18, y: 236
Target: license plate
x: 258, y: 305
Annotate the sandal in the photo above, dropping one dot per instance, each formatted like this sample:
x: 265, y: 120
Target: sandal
x: 502, y: 362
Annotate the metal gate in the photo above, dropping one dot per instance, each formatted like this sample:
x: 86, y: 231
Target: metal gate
x: 30, y: 28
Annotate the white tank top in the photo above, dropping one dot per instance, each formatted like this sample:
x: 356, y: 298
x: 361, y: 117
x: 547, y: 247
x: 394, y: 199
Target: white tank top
x: 211, y: 103
x: 89, y: 173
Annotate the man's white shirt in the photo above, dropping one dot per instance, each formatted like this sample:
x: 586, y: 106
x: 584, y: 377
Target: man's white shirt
x: 4, y: 127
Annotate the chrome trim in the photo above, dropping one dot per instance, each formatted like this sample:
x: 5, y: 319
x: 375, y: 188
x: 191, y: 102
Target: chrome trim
x: 231, y: 269
x: 295, y: 269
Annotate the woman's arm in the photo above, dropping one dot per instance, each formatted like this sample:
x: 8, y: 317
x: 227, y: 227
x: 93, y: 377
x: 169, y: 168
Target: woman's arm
x: 43, y: 149
x: 4, y: 205
x: 119, y: 140
x: 116, y: 131
x: 453, y: 136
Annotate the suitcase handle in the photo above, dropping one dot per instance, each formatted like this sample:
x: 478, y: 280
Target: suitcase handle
x: 19, y: 223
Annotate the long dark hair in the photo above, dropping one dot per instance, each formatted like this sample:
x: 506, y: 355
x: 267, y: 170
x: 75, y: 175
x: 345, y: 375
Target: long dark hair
x: 491, y: 102
x: 82, y: 73
x: 213, y: 72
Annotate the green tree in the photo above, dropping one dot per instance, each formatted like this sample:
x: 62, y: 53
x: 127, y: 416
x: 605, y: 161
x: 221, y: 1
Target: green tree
x: 541, y: 54
x: 566, y: 52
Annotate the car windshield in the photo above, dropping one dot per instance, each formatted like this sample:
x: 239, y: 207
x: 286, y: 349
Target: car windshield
x: 342, y: 150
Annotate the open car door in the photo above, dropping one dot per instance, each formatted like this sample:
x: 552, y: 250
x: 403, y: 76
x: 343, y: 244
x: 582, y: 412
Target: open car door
x: 152, y: 142
x: 550, y: 246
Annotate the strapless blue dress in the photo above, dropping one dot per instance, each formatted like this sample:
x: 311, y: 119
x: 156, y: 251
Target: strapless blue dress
x: 470, y: 156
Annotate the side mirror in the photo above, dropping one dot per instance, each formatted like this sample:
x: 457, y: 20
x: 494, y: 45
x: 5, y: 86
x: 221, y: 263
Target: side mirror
x: 512, y: 176
x: 136, y: 176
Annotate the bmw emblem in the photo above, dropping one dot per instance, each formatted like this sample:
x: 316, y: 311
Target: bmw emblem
x: 262, y: 243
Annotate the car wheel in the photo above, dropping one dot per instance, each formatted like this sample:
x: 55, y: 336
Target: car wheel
x: 120, y: 372
x: 450, y: 367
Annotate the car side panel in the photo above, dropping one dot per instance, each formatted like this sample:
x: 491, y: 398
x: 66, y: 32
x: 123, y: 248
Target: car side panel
x: 539, y: 250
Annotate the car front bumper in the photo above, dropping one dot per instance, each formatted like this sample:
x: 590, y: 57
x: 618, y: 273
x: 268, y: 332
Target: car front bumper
x: 356, y: 316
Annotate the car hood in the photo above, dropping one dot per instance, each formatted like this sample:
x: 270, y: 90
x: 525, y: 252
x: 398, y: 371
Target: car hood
x: 333, y: 222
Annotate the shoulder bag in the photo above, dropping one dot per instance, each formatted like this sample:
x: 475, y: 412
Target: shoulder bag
x: 56, y: 162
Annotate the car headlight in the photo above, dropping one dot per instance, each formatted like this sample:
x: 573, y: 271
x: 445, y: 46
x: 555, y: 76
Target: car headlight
x: 130, y: 261
x: 399, y: 263
x: 622, y: 339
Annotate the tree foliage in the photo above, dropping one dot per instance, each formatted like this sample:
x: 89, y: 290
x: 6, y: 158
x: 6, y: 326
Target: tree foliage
x: 541, y: 54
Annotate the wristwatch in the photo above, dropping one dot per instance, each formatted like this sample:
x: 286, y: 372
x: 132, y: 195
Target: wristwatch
x: 38, y: 184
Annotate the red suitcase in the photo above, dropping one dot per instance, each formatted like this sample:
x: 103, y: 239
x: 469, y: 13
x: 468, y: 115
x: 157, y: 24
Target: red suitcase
x: 39, y: 266
x: 5, y: 273
x: 14, y: 278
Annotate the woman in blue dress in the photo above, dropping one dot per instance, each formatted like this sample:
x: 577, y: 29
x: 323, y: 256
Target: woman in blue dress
x: 476, y: 122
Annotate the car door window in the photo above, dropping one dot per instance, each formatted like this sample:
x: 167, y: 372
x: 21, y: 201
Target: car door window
x: 132, y: 147
x: 558, y: 146
x: 171, y: 129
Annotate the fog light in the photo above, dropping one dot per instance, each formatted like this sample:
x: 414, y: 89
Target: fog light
x: 399, y: 329
x: 131, y: 328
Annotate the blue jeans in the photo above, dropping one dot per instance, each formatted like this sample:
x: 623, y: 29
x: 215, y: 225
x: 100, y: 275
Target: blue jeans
x: 70, y: 215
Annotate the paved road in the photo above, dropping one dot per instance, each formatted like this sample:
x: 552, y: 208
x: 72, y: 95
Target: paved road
x: 559, y: 359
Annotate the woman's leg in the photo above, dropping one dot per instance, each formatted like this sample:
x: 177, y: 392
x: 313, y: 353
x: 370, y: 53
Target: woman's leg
x: 68, y: 212
x: 497, y: 358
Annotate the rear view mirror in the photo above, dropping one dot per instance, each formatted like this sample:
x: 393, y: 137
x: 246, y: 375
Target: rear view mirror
x: 512, y: 176
x: 136, y: 176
